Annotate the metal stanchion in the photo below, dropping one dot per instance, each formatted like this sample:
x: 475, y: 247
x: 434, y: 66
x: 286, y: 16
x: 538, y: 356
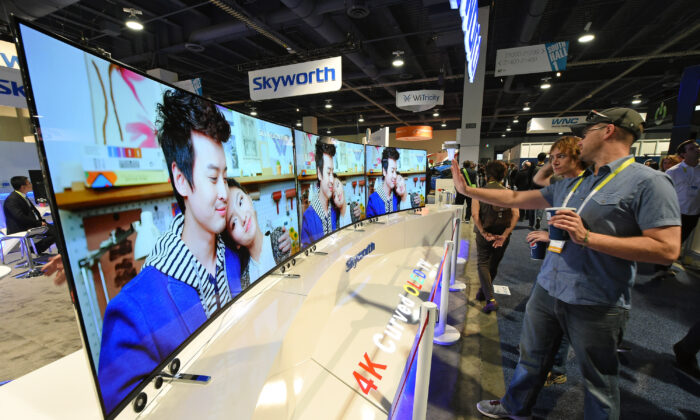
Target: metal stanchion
x: 428, y: 312
x: 455, y: 286
x: 445, y: 334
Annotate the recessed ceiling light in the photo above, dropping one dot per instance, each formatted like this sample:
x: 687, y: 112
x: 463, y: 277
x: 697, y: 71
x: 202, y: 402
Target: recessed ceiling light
x: 503, y: 135
x: 558, y: 74
x: 253, y: 112
x: 361, y: 119
x: 560, y: 133
x: 328, y: 105
x: 586, y: 38
x: 436, y: 113
x: 697, y: 108
x: 636, y: 99
x: 507, y: 128
x: 328, y: 131
x: 545, y: 86
x: 298, y: 109
x: 443, y: 125
x: 526, y: 107
x: 298, y: 123
x: 515, y: 120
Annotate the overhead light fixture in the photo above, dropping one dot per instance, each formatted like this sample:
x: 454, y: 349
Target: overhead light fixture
x: 526, y: 107
x: 636, y: 99
x: 545, y: 85
x: 560, y: 133
x: 503, y: 135
x: 328, y: 131
x: 298, y: 123
x: 697, y: 108
x: 253, y: 112
x: 361, y: 119
x: 558, y: 74
x: 298, y: 109
x: 436, y: 113
x: 587, y: 36
x: 444, y: 124
x: 328, y: 105
x: 133, y: 22
x: 515, y: 120
x: 398, y: 59
x: 508, y: 129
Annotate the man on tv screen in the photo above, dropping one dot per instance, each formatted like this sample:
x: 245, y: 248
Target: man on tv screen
x: 189, y: 274
x: 320, y: 218
x: 383, y: 200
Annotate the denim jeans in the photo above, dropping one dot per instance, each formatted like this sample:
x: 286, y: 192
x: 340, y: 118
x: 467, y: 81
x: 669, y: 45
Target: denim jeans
x: 593, y: 332
x: 487, y: 260
x: 559, y: 366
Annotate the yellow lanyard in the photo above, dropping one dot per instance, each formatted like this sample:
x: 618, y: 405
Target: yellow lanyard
x: 607, y: 179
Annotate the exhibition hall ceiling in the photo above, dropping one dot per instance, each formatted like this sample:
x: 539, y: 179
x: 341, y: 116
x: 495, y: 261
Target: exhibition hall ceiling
x: 640, y: 48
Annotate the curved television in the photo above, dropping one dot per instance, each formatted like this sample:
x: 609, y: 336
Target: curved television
x: 332, y: 185
x: 396, y: 179
x: 168, y: 206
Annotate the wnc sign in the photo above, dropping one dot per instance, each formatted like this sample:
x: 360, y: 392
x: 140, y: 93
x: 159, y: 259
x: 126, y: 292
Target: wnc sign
x: 297, y: 79
x: 555, y: 124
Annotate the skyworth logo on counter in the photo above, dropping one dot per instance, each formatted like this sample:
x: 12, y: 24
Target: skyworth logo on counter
x: 296, y: 79
x: 352, y: 261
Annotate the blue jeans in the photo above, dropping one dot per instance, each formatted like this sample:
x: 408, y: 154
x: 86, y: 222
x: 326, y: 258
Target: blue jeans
x: 593, y: 332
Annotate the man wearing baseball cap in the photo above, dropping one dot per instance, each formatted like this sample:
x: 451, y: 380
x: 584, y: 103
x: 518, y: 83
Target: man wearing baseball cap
x: 624, y: 212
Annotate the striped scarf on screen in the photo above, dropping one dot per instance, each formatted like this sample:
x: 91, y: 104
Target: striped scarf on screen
x: 388, y: 201
x: 321, y: 212
x: 172, y: 257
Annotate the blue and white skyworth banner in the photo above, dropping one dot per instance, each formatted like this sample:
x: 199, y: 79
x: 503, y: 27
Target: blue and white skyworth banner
x: 540, y: 58
x: 296, y: 79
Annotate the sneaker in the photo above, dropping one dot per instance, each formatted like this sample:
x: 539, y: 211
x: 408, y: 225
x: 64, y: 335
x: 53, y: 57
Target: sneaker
x: 490, y: 306
x: 554, y: 379
x: 495, y: 410
x: 480, y: 296
x: 686, y: 362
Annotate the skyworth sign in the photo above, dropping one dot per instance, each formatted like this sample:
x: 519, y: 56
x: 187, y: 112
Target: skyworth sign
x: 297, y: 79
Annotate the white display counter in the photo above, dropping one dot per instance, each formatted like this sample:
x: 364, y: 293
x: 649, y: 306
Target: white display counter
x: 302, y: 347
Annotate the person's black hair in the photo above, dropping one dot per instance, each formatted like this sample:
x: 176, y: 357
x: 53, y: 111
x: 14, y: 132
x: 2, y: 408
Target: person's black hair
x: 18, y: 181
x: 680, y: 150
x: 181, y: 113
x: 242, y: 252
x: 496, y: 170
x: 466, y: 164
x: 541, y: 157
x: 322, y: 148
x: 389, y: 153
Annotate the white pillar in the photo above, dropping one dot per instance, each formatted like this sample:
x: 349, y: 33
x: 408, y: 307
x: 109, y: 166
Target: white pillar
x: 428, y: 312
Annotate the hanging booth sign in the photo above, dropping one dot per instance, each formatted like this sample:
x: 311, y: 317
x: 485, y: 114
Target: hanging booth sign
x: 8, y: 55
x: 419, y: 100
x: 12, y: 88
x: 296, y: 79
x: 414, y: 133
x: 540, y: 58
x: 556, y: 124
x: 469, y: 13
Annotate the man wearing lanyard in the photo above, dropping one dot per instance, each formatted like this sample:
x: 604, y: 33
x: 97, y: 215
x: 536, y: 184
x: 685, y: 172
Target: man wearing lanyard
x: 625, y: 212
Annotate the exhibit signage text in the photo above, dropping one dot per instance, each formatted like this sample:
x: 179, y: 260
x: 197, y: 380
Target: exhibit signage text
x: 469, y: 12
x: 352, y: 261
x: 419, y: 100
x: 296, y: 79
x: 539, y: 58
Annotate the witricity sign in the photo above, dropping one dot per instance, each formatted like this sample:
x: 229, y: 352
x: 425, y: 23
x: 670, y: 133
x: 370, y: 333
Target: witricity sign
x: 469, y: 12
x: 296, y: 79
x: 419, y: 100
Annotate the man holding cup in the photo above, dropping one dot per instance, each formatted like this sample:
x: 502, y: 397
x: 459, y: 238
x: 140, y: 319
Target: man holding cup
x: 625, y: 212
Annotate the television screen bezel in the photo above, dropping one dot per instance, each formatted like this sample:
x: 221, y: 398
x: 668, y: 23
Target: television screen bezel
x: 119, y: 408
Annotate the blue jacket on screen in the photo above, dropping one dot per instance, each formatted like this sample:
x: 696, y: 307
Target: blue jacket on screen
x: 148, y: 319
x: 375, y: 205
x: 312, y: 226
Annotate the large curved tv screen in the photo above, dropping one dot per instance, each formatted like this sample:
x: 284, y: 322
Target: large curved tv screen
x: 168, y: 206
x: 396, y: 179
x: 331, y: 185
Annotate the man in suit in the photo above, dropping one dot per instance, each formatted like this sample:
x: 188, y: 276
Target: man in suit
x: 21, y: 215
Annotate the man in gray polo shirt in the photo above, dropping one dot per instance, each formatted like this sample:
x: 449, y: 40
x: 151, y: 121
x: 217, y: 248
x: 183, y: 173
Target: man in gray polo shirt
x: 625, y: 212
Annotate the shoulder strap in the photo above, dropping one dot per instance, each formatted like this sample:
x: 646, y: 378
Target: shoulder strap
x: 466, y: 175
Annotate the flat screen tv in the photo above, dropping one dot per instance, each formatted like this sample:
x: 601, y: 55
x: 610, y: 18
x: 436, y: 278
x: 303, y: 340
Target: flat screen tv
x: 396, y: 179
x: 332, y: 185
x: 168, y: 205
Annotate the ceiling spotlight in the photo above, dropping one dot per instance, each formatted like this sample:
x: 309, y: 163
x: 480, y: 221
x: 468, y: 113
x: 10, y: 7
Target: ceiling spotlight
x: 545, y: 84
x: 298, y: 123
x: 328, y: 105
x: 444, y: 124
x: 298, y: 109
x: 586, y: 37
x: 560, y: 133
x: 508, y: 128
x: 436, y: 113
x: 328, y: 131
x: 503, y: 135
x: 558, y: 74
x: 526, y: 107
x: 253, y: 112
x: 361, y: 119
x: 133, y: 22
x: 515, y: 120
x: 398, y: 59
x: 636, y: 99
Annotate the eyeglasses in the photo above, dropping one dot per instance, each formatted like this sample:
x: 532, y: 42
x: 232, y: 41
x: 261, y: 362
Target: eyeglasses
x: 588, y: 130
